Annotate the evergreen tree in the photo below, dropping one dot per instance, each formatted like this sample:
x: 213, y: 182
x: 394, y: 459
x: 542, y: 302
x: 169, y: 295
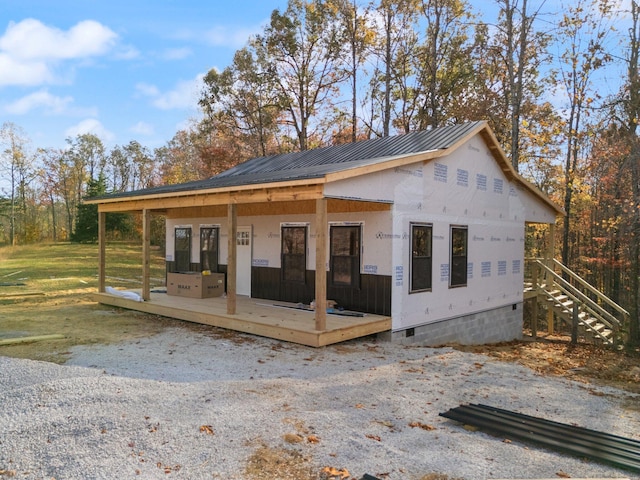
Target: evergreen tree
x: 86, y: 230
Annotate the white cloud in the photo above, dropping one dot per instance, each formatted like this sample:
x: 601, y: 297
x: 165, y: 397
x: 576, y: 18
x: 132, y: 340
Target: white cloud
x: 177, y: 53
x: 183, y: 96
x: 23, y: 73
x: 142, y: 128
x: 223, y: 36
x: 30, y: 39
x: 90, y: 125
x: 30, y: 50
x: 229, y: 36
x: 147, y: 89
x: 40, y: 99
x: 127, y: 52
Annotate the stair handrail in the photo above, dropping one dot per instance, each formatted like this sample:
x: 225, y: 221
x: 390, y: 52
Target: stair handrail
x: 610, y: 320
x: 591, y: 288
x: 612, y: 323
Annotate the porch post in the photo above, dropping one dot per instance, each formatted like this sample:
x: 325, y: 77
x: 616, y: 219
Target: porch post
x: 146, y: 254
x: 551, y: 245
x: 549, y: 260
x: 102, y: 250
x: 321, y: 262
x: 232, y: 227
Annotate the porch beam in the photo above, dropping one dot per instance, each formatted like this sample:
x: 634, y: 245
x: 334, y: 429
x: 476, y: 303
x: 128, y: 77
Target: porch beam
x: 203, y: 199
x: 321, y: 262
x: 146, y: 255
x: 102, y: 250
x: 232, y: 228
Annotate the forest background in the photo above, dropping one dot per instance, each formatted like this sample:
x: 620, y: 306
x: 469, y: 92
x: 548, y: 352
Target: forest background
x: 325, y: 72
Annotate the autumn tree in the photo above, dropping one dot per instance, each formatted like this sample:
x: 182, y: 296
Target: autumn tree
x: 16, y: 166
x: 632, y: 111
x: 304, y: 48
x: 359, y: 34
x: 625, y: 180
x: 583, y: 36
x: 143, y: 169
x: 521, y: 50
x: 50, y: 188
x: 391, y: 50
x: 442, y: 62
x: 245, y: 99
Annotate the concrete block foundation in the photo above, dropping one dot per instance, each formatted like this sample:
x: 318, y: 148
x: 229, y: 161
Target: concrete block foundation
x: 492, y: 326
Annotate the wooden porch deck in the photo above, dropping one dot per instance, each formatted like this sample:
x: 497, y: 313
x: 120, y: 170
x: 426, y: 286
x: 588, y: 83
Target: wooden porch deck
x: 266, y: 318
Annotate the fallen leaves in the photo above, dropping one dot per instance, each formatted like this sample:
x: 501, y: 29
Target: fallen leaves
x: 373, y: 437
x: 208, y: 429
x: 168, y: 468
x: 334, y: 473
x: 293, y: 438
x: 421, y: 425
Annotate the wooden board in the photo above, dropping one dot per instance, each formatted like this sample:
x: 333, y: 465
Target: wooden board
x: 253, y: 317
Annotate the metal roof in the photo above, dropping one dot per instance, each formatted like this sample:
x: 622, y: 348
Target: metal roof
x: 316, y: 163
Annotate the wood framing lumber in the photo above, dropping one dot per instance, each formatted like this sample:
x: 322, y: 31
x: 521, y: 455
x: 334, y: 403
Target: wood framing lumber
x: 37, y: 338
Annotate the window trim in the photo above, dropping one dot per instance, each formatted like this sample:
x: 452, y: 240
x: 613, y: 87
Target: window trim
x: 217, y: 247
x: 189, y: 230
x: 355, y: 272
x: 412, y: 257
x: 464, y: 228
x: 305, y: 227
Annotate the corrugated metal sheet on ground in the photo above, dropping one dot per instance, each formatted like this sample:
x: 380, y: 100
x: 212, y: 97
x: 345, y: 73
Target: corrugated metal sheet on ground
x: 581, y: 442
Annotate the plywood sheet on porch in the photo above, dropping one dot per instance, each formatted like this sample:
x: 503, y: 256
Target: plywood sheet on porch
x: 257, y: 317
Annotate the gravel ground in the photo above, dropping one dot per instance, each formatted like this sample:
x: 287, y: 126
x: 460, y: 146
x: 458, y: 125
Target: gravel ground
x: 183, y: 404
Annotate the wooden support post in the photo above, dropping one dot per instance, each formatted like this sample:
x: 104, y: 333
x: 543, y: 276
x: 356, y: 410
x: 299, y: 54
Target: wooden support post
x: 232, y: 228
x: 146, y: 255
x: 550, y: 256
x: 551, y: 245
x: 534, y: 309
x: 321, y: 262
x: 102, y: 250
x: 574, y: 324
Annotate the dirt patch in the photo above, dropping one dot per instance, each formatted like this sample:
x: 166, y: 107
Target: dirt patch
x: 267, y: 463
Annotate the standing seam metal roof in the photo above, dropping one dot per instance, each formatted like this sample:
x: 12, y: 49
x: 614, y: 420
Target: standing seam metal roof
x: 316, y: 163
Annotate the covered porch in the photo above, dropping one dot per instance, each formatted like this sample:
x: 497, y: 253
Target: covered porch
x: 234, y: 311
x: 265, y: 318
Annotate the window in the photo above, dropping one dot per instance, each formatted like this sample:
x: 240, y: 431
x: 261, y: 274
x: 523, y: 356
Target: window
x: 345, y: 256
x: 209, y: 244
x: 294, y: 254
x: 421, y: 236
x: 458, y: 264
x: 183, y: 249
x: 243, y: 239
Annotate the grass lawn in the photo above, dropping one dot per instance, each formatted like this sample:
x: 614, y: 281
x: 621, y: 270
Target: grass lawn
x: 46, y: 289
x: 66, y: 268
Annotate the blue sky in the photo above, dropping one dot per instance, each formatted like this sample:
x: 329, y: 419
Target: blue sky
x: 124, y: 70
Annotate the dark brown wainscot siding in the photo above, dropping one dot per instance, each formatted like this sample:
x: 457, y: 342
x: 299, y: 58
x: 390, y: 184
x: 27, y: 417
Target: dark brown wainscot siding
x: 373, y: 296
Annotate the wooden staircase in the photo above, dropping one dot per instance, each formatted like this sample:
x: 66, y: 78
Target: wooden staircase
x: 583, y: 308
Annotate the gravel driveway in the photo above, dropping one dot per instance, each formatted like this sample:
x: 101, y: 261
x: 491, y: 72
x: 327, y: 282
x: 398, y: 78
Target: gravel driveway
x: 183, y: 404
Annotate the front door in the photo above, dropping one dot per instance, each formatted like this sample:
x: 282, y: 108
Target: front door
x: 243, y: 261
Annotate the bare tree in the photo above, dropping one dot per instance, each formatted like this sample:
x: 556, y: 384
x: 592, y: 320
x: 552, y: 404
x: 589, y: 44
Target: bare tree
x: 16, y: 165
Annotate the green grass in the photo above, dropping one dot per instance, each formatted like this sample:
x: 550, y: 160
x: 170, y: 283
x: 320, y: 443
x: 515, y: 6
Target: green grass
x: 72, y: 268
